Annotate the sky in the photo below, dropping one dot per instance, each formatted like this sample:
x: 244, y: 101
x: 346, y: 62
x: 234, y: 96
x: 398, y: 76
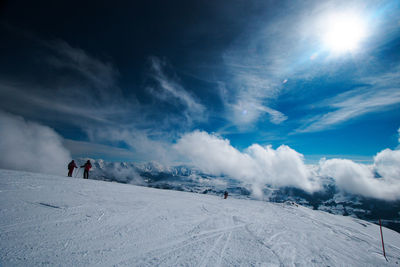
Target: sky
x: 135, y: 80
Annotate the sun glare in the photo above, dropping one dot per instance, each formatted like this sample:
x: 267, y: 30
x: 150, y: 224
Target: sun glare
x: 343, y: 33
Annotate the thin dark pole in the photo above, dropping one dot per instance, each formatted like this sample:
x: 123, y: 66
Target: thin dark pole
x: 383, y: 244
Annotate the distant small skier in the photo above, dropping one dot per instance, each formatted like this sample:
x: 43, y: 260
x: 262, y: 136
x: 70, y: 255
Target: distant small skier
x: 71, y: 167
x: 87, y: 167
x: 226, y: 195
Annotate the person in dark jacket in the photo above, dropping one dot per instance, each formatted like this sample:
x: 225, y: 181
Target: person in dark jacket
x: 71, y: 167
x: 87, y: 167
x: 226, y: 195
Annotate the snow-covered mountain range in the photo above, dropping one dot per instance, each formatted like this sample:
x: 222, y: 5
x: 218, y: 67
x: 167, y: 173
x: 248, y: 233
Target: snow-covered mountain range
x: 191, y: 179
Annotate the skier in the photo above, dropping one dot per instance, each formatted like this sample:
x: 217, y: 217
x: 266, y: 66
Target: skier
x: 87, y: 167
x: 71, y: 167
x: 226, y: 195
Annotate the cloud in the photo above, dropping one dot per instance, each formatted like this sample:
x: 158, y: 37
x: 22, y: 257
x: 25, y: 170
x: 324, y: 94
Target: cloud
x: 59, y: 108
x: 144, y: 145
x: 100, y: 74
x: 359, y: 179
x: 82, y: 89
x: 169, y: 90
x: 276, y: 117
x: 269, y: 51
x: 92, y: 150
x: 381, y: 180
x: 257, y: 165
x: 387, y: 165
x: 116, y: 171
x: 29, y: 146
x: 352, y: 104
x: 249, y: 97
x: 247, y: 111
x: 378, y: 84
x: 286, y: 43
x: 284, y: 167
x: 83, y: 93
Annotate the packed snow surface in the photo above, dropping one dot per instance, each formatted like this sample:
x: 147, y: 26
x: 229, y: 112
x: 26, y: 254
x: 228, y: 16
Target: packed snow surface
x: 59, y: 221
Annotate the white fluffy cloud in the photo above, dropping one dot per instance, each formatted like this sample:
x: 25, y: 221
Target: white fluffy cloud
x: 30, y: 146
x: 360, y: 179
x: 257, y: 165
x: 380, y: 180
x: 387, y: 164
x: 282, y: 167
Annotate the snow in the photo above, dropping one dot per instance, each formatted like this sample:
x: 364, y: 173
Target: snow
x: 60, y: 221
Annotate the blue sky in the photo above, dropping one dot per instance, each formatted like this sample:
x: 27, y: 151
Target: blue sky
x: 126, y: 81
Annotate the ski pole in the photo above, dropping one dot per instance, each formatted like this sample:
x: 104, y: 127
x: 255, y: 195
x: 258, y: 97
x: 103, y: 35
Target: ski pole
x: 383, y: 244
x: 77, y: 173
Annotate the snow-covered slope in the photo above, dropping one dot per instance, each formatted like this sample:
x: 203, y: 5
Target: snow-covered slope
x: 60, y: 221
x: 190, y: 179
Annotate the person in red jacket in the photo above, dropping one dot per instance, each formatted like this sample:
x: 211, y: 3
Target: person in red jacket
x: 71, y: 167
x: 87, y: 167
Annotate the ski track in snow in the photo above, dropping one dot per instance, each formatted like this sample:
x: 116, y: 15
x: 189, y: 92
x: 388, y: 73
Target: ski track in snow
x: 59, y: 221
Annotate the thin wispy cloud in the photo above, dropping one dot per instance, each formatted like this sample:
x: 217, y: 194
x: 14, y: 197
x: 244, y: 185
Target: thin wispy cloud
x: 380, y: 92
x: 144, y: 144
x: 84, y: 92
x: 351, y: 108
x: 265, y: 55
x: 74, y: 109
x: 101, y: 74
x: 248, y: 96
x: 289, y: 45
x: 93, y: 150
x: 247, y: 111
x: 171, y: 91
x: 83, y: 89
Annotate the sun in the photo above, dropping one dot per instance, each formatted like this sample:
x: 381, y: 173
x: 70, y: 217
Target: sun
x: 343, y: 32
